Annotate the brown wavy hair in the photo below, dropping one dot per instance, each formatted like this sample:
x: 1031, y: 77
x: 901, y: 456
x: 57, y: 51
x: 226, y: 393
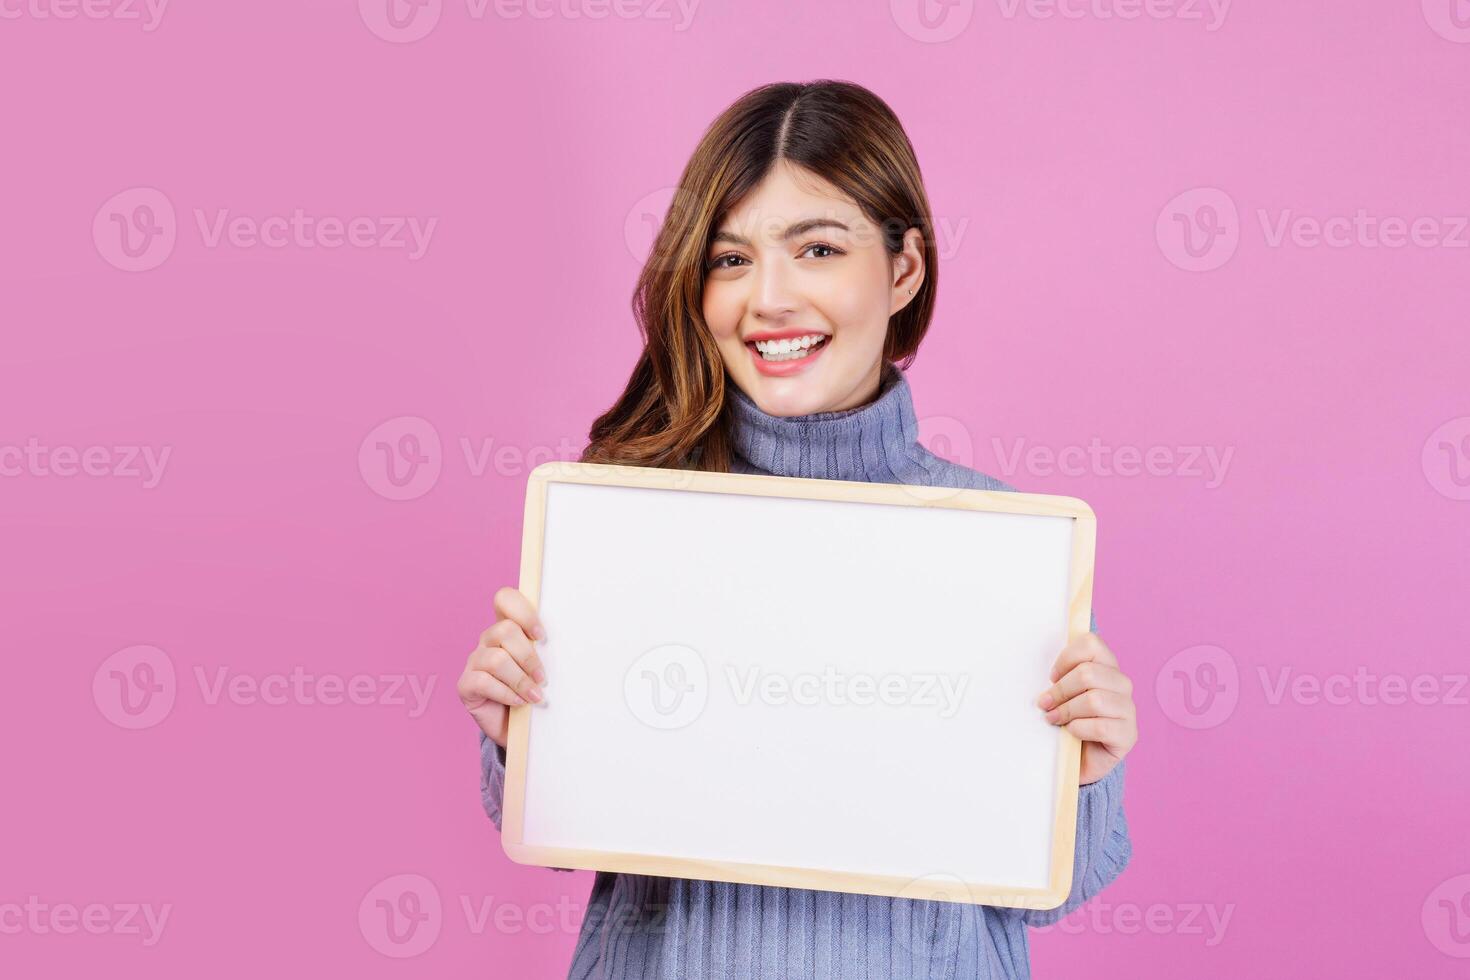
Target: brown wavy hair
x: 673, y: 410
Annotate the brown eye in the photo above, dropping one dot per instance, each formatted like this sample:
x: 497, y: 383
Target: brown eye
x: 719, y: 262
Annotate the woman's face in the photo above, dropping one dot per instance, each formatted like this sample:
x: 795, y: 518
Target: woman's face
x: 798, y: 291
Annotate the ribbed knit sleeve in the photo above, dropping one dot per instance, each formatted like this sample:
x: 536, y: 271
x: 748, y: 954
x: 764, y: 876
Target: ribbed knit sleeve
x: 492, y: 778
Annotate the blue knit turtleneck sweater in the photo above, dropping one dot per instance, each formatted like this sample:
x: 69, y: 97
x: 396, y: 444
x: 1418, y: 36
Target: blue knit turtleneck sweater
x: 676, y: 929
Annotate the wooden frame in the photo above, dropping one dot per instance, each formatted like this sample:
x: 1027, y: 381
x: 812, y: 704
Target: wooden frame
x: 937, y: 887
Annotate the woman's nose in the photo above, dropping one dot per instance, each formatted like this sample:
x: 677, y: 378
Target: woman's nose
x: 774, y: 292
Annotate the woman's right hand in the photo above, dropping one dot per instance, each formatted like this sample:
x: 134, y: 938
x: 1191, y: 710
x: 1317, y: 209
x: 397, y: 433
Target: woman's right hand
x: 504, y: 669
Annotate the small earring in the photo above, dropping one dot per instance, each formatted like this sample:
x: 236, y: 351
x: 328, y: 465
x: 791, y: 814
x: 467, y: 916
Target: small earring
x: 911, y: 292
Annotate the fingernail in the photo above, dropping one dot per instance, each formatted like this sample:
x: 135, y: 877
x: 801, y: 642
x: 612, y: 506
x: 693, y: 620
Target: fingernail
x: 1053, y: 715
x: 540, y: 632
x: 1046, y: 701
x: 535, y: 693
x: 540, y: 675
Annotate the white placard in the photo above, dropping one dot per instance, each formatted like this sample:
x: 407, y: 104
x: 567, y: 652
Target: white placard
x: 766, y: 681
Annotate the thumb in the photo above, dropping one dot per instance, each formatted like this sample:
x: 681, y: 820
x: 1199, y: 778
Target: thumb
x: 491, y: 716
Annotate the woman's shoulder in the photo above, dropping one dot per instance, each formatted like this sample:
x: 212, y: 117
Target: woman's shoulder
x: 937, y: 471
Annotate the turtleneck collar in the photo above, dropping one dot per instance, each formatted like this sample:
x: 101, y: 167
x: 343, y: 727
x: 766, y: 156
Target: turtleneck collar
x: 873, y: 443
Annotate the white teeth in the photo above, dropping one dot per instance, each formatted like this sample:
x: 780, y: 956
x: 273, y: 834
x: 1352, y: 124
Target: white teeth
x: 792, y: 348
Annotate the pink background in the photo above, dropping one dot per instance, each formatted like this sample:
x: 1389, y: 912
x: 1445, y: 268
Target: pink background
x: 1054, y: 148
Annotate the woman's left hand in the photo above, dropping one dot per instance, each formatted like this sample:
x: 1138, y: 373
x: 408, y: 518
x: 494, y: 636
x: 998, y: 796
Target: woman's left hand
x: 1093, y: 700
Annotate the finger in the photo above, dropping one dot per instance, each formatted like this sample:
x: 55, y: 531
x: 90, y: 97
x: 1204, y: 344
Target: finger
x: 477, y: 685
x: 1108, y: 731
x: 512, y: 604
x: 498, y: 662
x: 509, y: 634
x: 1084, y: 676
x: 1087, y: 647
x: 1091, y: 704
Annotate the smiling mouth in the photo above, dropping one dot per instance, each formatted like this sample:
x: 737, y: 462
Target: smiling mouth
x: 793, y: 349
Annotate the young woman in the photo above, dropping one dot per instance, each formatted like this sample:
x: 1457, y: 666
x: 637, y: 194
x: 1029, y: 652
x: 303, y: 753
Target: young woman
x: 794, y: 270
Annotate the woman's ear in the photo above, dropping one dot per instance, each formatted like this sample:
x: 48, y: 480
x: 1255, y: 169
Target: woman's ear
x: 908, y: 271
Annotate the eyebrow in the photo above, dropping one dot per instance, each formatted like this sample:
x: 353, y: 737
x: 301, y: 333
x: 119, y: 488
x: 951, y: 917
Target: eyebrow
x: 793, y: 231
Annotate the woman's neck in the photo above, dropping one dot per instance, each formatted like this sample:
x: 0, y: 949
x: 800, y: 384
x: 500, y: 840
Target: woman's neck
x: 876, y: 442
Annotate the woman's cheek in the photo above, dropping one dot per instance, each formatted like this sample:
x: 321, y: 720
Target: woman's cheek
x: 720, y: 314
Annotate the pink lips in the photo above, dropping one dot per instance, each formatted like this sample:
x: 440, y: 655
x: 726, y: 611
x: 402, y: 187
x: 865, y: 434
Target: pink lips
x: 780, y: 369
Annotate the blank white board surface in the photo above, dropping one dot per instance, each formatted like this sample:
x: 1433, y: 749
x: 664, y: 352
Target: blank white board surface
x: 807, y: 683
